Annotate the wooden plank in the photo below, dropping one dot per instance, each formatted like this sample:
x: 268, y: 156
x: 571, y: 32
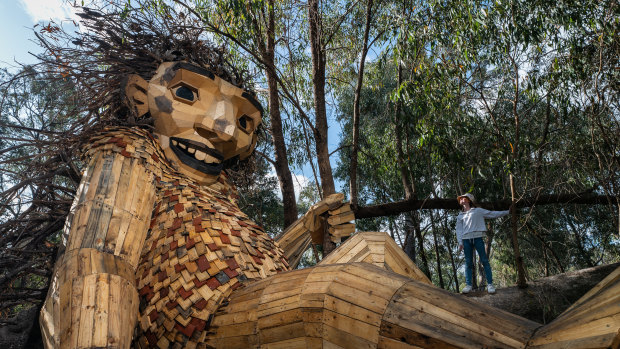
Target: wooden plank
x: 602, y: 326
x: 452, y: 317
x: 279, y: 306
x: 281, y: 333
x: 389, y: 343
x: 233, y: 342
x: 100, y: 213
x: 87, y: 312
x: 329, y: 345
x: 344, y: 208
x: 295, y: 343
x: 351, y: 325
x: 114, y: 312
x: 423, y: 325
x: 334, y: 198
x: 283, y: 318
x: 345, y: 339
x: 64, y: 310
x: 102, y: 297
x: 346, y: 252
x: 394, y: 336
x: 118, y: 214
x: 501, y: 321
x: 234, y: 318
x: 82, y: 211
x: 77, y: 293
x: 364, y: 299
x: 416, y: 304
x: 353, y: 311
x: 234, y: 330
x: 376, y: 275
x: 372, y: 288
x: 341, y: 218
x: 608, y: 340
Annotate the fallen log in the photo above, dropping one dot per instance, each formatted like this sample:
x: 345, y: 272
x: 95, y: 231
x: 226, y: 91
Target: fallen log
x: 398, y: 207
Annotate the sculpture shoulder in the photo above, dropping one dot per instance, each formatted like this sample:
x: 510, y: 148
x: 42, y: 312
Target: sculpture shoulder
x: 130, y: 142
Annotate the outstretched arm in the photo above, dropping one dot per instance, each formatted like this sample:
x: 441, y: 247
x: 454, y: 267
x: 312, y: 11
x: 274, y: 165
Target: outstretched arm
x: 494, y: 214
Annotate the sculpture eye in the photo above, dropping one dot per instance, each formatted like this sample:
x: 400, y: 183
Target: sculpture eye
x: 246, y: 123
x: 185, y: 93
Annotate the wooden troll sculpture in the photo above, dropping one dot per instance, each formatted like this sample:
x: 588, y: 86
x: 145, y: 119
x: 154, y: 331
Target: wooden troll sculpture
x: 159, y: 254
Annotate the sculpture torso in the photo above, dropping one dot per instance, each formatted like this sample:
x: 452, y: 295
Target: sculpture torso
x: 199, y: 247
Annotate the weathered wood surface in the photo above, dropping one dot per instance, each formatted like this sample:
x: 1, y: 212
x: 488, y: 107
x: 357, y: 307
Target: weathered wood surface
x: 379, y: 249
x: 141, y: 233
x: 93, y: 289
x: 592, y: 322
x: 330, y: 213
x: 359, y: 305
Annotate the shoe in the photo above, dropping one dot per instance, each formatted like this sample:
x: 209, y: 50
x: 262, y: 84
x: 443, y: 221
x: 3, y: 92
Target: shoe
x: 467, y: 289
x: 490, y: 289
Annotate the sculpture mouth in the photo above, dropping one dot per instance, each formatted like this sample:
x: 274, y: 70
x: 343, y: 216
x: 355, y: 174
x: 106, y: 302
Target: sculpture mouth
x: 197, y: 155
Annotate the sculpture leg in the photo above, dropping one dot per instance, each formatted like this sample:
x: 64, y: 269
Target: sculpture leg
x: 359, y: 305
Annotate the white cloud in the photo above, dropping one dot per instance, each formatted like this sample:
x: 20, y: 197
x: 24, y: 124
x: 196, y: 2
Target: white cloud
x: 299, y: 182
x: 46, y: 10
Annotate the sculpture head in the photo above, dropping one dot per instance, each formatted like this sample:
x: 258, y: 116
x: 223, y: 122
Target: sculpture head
x: 201, y: 120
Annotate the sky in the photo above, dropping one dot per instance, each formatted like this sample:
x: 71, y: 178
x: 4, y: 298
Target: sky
x: 17, y: 18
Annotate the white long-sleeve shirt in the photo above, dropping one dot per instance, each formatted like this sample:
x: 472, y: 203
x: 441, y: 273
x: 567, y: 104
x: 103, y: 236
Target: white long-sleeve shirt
x: 470, y: 224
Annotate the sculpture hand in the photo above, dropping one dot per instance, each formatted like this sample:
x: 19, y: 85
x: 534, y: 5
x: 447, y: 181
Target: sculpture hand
x: 330, y: 214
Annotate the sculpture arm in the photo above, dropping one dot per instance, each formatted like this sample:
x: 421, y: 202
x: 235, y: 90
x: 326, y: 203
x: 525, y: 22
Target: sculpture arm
x: 93, y: 301
x: 330, y: 213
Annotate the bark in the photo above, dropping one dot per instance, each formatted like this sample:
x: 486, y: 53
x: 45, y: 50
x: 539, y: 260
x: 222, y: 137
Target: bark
x: 437, y: 254
x: 409, y: 246
x: 320, y: 128
x: 545, y: 298
x: 318, y: 85
x: 398, y: 207
x: 404, y: 172
x: 281, y: 160
x: 356, y: 110
x: 420, y: 240
x: 448, y: 239
x: 515, y: 242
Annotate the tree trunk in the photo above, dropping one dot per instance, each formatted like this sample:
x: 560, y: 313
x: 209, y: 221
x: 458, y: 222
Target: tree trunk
x: 448, y: 239
x: 418, y: 235
x: 281, y: 160
x: 356, y: 110
x: 409, y: 246
x: 515, y: 242
x: 437, y: 254
x: 318, y: 85
x: 548, y: 297
x: 320, y: 130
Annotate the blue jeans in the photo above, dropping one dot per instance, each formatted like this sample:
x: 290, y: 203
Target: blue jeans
x: 468, y: 248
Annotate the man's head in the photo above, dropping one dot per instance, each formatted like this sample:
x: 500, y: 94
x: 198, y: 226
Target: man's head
x: 201, y: 120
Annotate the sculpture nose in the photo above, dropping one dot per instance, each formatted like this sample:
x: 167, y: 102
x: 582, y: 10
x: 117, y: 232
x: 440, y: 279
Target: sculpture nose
x: 220, y: 125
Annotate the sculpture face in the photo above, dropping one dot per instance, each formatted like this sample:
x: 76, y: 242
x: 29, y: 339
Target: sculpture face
x: 201, y: 120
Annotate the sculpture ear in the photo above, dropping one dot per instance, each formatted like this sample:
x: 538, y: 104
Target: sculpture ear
x: 136, y: 91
